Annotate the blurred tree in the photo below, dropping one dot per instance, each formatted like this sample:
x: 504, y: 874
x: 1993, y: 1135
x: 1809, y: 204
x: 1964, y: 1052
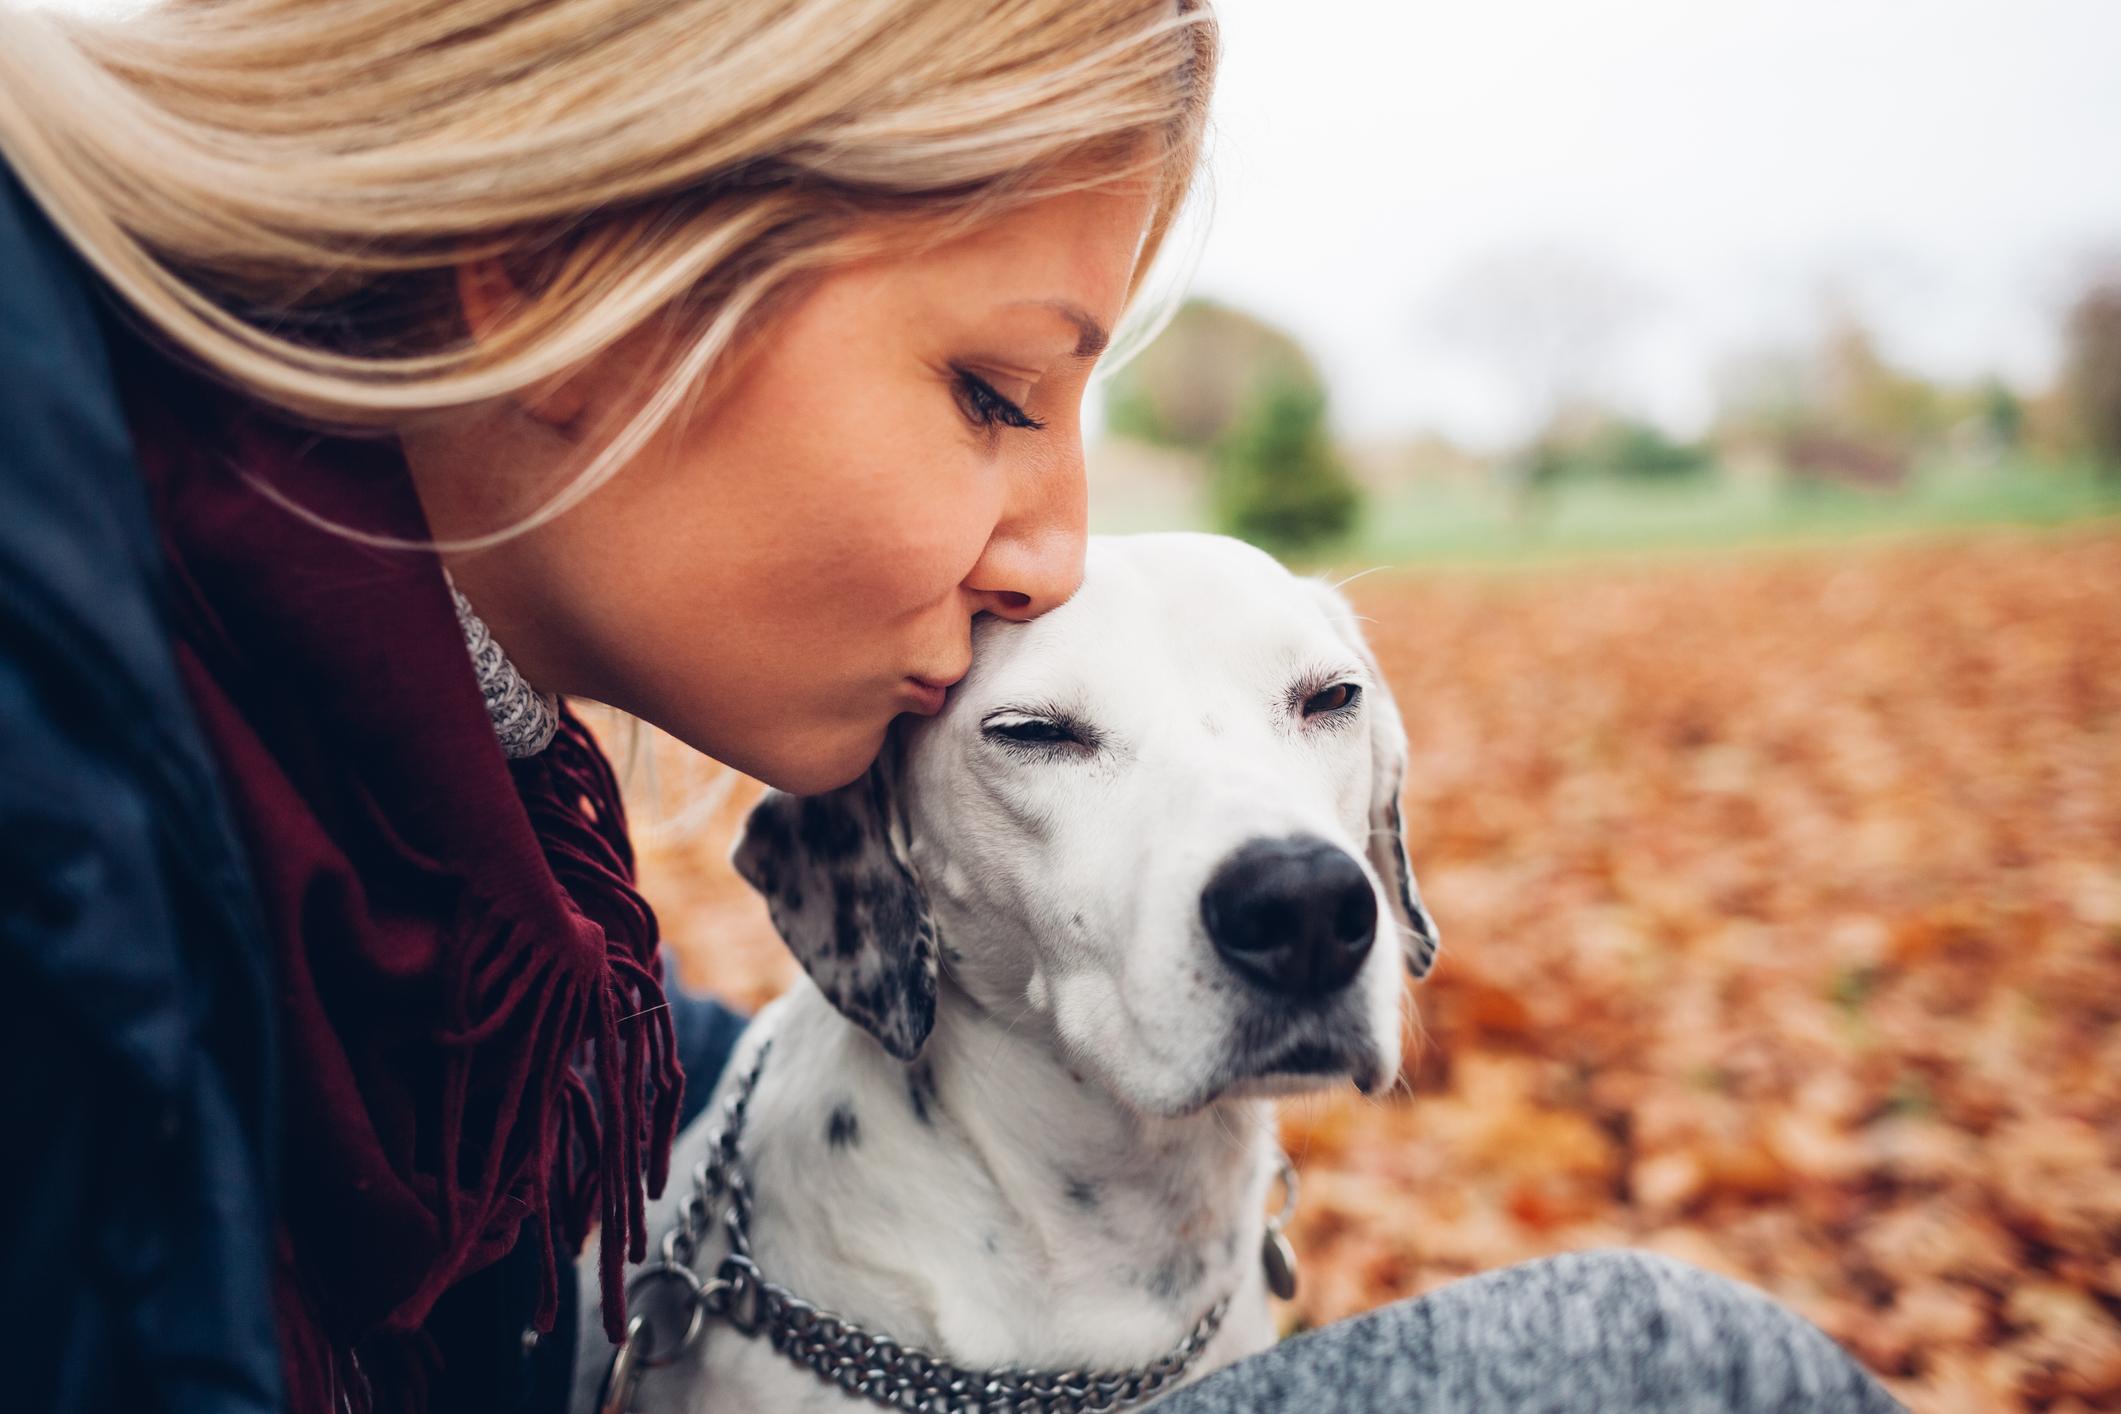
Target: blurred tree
x: 1629, y: 447
x: 1765, y: 393
x: 1277, y: 481
x: 2094, y: 370
x: 1840, y: 412
x: 1867, y: 400
x: 2002, y: 416
x: 1193, y: 385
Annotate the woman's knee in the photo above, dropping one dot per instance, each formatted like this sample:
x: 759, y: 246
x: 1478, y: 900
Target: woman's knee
x: 1622, y: 1328
x: 1616, y: 1329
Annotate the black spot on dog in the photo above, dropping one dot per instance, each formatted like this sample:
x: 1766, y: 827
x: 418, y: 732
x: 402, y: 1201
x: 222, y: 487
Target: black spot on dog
x: 851, y: 918
x: 1176, y: 1276
x: 769, y: 826
x: 847, y: 930
x: 920, y: 1089
x: 843, y: 1130
x: 1082, y: 1193
x: 990, y: 1244
x: 828, y: 829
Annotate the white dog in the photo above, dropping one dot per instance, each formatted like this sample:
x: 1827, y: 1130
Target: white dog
x: 1063, y: 941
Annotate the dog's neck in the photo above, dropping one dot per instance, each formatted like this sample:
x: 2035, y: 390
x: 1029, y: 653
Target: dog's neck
x: 988, y: 1200
x: 1070, y: 1155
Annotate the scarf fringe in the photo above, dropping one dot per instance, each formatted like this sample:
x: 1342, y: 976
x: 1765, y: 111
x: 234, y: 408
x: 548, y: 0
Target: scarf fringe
x: 607, y: 1114
x: 611, y: 1147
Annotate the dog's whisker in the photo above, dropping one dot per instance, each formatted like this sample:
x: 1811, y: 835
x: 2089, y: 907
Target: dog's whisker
x: 1340, y: 583
x: 1238, y: 1144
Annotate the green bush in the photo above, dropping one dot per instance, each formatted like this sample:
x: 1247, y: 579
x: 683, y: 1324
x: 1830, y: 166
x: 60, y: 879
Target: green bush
x: 1276, y: 480
x: 1131, y: 413
x: 1629, y: 448
x: 1191, y: 386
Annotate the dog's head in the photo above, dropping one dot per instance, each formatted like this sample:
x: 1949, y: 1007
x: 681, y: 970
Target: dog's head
x: 1159, y: 825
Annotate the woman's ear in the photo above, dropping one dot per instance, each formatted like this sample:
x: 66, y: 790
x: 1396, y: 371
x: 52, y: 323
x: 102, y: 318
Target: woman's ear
x: 488, y: 296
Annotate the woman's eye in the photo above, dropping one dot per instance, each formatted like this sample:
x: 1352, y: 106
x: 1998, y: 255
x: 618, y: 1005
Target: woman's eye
x: 1337, y: 698
x: 1035, y: 733
x: 987, y: 408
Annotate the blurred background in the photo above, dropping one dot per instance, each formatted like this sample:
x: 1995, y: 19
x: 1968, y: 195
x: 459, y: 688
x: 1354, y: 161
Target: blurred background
x: 1721, y: 405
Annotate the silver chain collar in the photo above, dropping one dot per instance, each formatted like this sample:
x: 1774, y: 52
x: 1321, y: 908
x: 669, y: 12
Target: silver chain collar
x: 671, y: 1296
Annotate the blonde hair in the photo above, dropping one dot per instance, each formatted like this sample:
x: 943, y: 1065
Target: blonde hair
x: 283, y: 189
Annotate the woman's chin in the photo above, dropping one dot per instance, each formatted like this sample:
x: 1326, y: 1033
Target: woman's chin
x: 817, y: 764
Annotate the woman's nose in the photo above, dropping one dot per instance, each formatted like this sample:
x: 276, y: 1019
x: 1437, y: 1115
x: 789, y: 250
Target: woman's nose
x: 1024, y: 577
x: 1034, y: 559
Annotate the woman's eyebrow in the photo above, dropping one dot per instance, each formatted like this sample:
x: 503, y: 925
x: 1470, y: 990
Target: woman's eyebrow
x: 1091, y: 336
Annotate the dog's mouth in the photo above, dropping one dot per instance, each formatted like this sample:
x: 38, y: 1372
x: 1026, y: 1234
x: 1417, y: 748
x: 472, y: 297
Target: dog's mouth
x: 1304, y: 1063
x: 1307, y: 1058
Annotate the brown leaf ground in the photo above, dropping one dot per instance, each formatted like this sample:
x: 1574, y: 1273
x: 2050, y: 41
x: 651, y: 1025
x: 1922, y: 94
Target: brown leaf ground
x: 1781, y: 900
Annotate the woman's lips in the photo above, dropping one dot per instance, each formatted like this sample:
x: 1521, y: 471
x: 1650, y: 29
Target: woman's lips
x: 926, y: 695
x: 929, y: 689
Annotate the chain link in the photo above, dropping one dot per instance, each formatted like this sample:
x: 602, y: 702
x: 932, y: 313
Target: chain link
x: 838, y: 1351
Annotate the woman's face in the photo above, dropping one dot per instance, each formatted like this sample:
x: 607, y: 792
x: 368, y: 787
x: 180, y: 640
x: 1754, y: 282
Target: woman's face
x: 774, y: 579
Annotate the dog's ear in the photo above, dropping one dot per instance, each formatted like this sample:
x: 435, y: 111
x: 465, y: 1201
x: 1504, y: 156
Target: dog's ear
x: 1388, y: 778
x: 836, y: 879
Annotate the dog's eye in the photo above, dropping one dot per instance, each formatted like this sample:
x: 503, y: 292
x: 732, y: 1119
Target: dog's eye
x: 1033, y: 733
x: 1039, y: 734
x: 1337, y: 698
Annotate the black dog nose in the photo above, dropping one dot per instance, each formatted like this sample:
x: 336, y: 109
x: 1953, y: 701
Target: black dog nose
x: 1296, y: 915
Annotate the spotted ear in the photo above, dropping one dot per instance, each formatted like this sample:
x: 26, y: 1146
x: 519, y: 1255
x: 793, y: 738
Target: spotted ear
x: 1388, y: 777
x: 837, y: 883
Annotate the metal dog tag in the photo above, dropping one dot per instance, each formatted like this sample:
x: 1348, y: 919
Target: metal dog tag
x: 1279, y: 1258
x: 1275, y: 1253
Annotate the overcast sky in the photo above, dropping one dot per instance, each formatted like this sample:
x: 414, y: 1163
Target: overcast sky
x: 1950, y: 164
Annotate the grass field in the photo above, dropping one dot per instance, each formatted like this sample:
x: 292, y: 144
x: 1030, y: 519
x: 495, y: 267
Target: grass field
x: 1781, y: 902
x: 1600, y: 517
x: 1603, y: 516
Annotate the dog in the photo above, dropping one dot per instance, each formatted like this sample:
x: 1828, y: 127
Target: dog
x: 1063, y: 944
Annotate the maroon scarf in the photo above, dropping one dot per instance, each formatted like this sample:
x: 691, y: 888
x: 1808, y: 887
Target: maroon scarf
x: 455, y: 934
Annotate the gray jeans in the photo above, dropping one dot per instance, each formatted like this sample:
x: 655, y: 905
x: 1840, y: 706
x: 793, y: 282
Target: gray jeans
x: 1592, y: 1331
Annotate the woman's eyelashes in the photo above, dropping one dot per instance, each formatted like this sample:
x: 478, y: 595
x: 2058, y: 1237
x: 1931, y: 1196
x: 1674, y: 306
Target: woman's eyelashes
x: 988, y: 408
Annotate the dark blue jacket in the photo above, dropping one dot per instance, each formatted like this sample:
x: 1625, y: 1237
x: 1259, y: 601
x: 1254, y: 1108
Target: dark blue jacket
x: 136, y: 1097
x: 137, y: 1107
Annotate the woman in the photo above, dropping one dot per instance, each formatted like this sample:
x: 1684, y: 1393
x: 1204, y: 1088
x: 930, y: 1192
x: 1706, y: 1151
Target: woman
x: 723, y: 362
